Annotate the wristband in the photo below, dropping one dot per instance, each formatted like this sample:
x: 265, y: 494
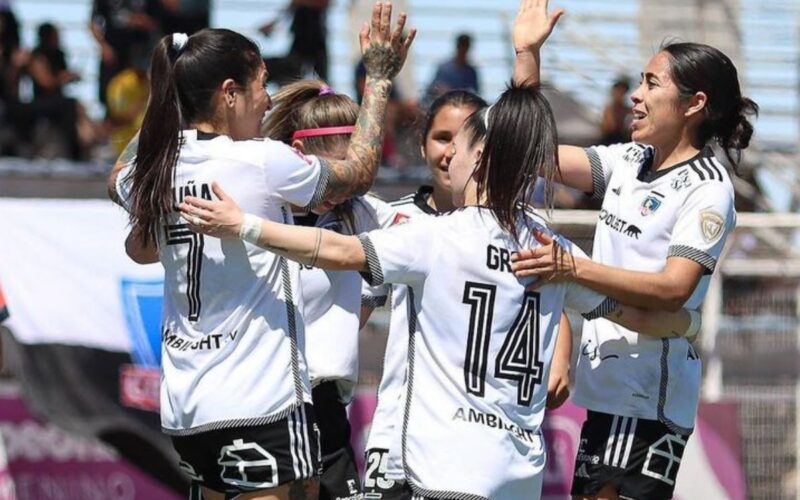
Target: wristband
x: 250, y: 230
x: 694, y: 325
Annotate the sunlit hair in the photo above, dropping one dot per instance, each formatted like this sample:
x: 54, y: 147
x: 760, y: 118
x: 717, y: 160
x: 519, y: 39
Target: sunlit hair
x: 182, y: 86
x: 695, y: 67
x: 519, y: 145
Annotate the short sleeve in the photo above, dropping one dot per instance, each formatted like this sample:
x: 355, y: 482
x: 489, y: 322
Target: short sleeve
x: 294, y: 177
x: 399, y: 254
x: 373, y: 213
x: 704, y: 222
x: 603, y: 160
x: 123, y: 186
x: 589, y: 303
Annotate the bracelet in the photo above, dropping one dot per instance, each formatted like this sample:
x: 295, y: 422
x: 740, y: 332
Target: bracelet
x: 250, y: 231
x: 696, y: 321
x: 315, y: 255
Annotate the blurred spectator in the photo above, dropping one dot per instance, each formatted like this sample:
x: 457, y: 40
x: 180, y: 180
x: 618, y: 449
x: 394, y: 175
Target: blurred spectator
x: 119, y: 26
x: 185, y: 16
x: 12, y: 61
x: 127, y: 96
x: 614, y: 127
x: 456, y: 73
x: 49, y: 75
x: 309, y: 48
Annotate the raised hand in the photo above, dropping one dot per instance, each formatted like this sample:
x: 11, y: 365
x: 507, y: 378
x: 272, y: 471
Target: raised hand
x: 533, y: 24
x: 385, y: 53
x: 222, y: 218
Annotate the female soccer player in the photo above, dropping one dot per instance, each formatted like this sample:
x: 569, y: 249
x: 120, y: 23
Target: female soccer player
x: 384, y: 470
x: 480, y: 345
x: 668, y: 207
x: 315, y: 120
x: 235, y: 392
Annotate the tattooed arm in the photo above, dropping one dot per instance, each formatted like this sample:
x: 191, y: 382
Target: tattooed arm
x: 384, y: 55
x: 123, y: 161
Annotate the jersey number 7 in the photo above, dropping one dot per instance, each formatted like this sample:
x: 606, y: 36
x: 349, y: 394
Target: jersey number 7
x: 518, y: 358
x: 180, y: 234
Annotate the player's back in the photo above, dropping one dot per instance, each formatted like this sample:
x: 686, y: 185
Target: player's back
x: 231, y: 334
x: 479, y: 355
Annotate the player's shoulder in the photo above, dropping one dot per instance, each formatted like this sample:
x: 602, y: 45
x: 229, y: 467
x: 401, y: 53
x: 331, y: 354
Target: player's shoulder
x: 256, y: 151
x: 413, y: 204
x: 631, y: 154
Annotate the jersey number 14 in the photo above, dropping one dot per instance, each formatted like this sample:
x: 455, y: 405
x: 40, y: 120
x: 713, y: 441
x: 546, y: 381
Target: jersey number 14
x: 518, y: 358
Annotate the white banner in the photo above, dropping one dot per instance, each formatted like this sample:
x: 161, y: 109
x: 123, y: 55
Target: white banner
x: 67, y: 279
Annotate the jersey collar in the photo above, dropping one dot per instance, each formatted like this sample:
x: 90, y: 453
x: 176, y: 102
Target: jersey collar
x: 647, y: 175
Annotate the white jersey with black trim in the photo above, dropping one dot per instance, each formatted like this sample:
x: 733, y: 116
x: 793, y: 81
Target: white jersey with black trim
x: 479, y: 352
x: 333, y: 299
x: 384, y: 432
x: 232, y: 338
x: 684, y: 211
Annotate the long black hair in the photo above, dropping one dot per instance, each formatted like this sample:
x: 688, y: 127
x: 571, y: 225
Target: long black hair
x: 695, y: 67
x: 183, y: 81
x: 520, y: 145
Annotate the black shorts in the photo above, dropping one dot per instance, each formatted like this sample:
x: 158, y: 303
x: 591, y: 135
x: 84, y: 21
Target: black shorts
x: 243, y: 459
x: 339, y: 480
x: 376, y: 485
x: 640, y: 457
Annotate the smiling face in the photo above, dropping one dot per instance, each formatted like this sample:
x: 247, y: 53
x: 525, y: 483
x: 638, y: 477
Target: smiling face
x: 659, y: 114
x: 250, y: 104
x: 444, y: 127
x: 463, y: 160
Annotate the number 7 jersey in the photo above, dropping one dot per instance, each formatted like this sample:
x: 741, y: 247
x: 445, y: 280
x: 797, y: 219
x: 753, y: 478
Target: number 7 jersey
x: 232, y: 338
x: 480, y: 347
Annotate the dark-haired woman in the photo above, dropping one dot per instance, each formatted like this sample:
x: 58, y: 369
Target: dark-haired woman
x: 480, y: 345
x: 235, y: 391
x: 314, y: 119
x: 668, y: 207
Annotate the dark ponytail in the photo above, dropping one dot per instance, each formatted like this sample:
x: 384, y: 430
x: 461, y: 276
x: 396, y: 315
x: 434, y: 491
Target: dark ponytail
x: 696, y: 67
x: 520, y: 144
x: 183, y: 82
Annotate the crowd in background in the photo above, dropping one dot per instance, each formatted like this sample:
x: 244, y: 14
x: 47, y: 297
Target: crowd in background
x: 48, y: 123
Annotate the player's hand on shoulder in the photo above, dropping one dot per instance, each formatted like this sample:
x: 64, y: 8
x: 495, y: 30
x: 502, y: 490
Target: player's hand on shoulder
x: 221, y: 218
x: 550, y: 262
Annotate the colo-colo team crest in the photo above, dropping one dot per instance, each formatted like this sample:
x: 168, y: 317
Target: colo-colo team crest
x: 651, y: 203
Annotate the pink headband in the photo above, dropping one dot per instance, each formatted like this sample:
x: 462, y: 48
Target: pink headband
x: 315, y: 132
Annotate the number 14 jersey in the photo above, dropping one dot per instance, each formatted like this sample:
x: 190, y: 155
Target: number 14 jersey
x: 479, y: 353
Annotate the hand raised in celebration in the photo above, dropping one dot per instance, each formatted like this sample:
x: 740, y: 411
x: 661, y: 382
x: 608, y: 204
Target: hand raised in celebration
x: 385, y: 52
x: 533, y: 25
x: 219, y: 218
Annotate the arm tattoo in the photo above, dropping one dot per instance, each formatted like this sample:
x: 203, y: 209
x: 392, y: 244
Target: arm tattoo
x: 355, y: 175
x: 381, y: 62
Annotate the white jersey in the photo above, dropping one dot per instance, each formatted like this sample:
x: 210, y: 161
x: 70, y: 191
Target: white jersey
x: 479, y: 352
x: 683, y: 211
x: 232, y: 338
x: 333, y: 299
x: 384, y: 433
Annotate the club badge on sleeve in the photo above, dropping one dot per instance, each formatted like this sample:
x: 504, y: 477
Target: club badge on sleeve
x: 711, y: 224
